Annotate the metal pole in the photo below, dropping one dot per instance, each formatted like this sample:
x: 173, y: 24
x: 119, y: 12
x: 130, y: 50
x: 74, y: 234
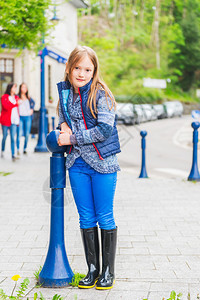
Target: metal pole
x: 53, y: 123
x: 56, y: 271
x: 143, y: 173
x: 47, y: 123
x: 194, y: 173
x: 41, y: 145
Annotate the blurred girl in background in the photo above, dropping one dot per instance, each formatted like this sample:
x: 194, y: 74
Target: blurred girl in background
x: 9, y: 117
x: 25, y: 111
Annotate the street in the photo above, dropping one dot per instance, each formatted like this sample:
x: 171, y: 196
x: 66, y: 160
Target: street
x: 168, y: 147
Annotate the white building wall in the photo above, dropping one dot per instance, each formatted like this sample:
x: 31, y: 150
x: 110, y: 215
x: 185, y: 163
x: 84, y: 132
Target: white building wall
x: 65, y: 32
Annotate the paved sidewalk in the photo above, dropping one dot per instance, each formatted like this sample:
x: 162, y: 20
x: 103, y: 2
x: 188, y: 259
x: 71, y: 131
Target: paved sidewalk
x: 158, y: 241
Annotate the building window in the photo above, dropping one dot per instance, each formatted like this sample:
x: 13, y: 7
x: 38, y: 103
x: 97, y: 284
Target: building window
x: 6, y: 65
x: 6, y: 73
x: 9, y: 65
x: 1, y: 65
x: 49, y: 84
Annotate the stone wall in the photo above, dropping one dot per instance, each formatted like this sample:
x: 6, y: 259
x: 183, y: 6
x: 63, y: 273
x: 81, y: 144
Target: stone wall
x: 188, y: 107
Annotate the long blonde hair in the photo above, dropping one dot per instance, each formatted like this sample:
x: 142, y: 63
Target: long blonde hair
x: 97, y: 84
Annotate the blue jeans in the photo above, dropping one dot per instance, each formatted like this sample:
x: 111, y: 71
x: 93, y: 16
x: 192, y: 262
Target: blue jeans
x: 24, y: 130
x: 93, y: 194
x: 12, y: 129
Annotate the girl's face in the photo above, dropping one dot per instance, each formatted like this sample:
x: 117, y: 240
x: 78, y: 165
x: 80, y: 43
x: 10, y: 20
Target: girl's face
x: 13, y: 89
x: 23, y: 89
x: 82, y: 73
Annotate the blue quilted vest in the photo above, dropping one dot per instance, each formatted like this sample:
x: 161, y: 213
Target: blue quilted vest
x: 105, y: 148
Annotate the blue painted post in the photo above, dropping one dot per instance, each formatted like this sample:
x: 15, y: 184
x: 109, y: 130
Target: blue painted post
x: 143, y: 173
x: 194, y: 173
x: 53, y: 123
x: 41, y: 145
x: 56, y: 271
x: 47, y: 123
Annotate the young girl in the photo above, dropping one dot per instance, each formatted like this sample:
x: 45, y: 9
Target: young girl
x: 25, y: 112
x: 87, y: 123
x: 9, y: 117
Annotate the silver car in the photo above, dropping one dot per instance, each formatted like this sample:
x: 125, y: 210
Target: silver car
x: 160, y: 111
x: 139, y: 114
x: 173, y: 108
x: 149, y: 112
x: 125, y: 114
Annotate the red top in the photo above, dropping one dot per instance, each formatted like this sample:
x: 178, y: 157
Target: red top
x: 7, y: 106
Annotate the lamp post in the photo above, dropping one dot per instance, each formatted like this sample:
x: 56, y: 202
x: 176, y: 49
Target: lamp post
x: 41, y: 145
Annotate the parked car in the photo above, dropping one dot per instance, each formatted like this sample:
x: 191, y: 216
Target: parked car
x: 179, y: 108
x: 154, y: 113
x: 139, y: 114
x: 160, y: 111
x: 169, y: 109
x: 173, y: 108
x: 125, y: 113
x: 149, y: 112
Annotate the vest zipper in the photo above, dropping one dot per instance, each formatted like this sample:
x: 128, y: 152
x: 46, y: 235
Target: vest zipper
x: 86, y: 126
x: 70, y: 150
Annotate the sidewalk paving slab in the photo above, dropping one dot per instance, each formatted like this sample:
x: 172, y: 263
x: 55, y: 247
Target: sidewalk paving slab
x: 158, y: 237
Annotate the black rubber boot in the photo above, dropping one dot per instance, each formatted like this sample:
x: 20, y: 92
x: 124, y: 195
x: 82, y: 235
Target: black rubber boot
x: 91, y: 247
x: 109, y: 242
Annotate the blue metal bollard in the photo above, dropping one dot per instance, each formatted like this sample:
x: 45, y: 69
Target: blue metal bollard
x: 56, y: 271
x: 143, y: 173
x: 53, y: 123
x: 47, y: 123
x: 194, y: 173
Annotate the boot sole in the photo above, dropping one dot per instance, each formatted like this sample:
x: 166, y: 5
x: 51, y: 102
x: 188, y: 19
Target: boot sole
x: 105, y: 288
x: 87, y: 287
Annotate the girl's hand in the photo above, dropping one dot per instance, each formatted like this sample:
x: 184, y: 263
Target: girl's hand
x: 65, y: 127
x: 31, y: 112
x: 19, y: 101
x: 64, y: 138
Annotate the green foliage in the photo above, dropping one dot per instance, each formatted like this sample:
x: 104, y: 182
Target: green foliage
x: 5, y: 173
x: 173, y: 296
x: 142, y: 95
x: 23, y: 288
x: 123, y: 36
x: 57, y: 297
x: 76, y: 278
x: 35, y: 296
x: 3, y: 296
x: 20, y: 292
x: 37, y: 272
x: 186, y: 54
x: 41, y: 296
x: 22, y: 23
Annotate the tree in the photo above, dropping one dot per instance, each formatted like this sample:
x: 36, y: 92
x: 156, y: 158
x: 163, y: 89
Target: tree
x: 186, y: 57
x: 155, y: 33
x: 23, y: 23
x: 128, y: 33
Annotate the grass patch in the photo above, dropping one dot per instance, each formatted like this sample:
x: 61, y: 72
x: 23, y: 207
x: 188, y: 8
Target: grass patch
x: 36, y: 274
x: 5, y: 173
x: 76, y: 278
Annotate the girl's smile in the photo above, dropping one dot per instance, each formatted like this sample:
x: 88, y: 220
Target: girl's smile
x: 82, y: 73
